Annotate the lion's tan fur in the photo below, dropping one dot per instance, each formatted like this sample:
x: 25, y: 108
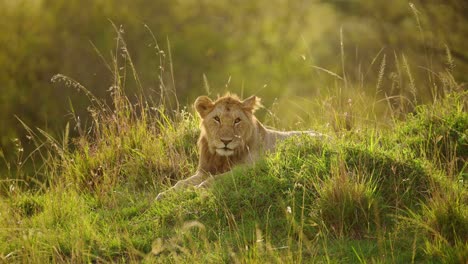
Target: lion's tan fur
x: 230, y: 135
x: 250, y: 131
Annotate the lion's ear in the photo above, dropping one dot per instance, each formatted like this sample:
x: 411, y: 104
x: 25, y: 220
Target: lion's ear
x: 252, y: 103
x: 203, y: 105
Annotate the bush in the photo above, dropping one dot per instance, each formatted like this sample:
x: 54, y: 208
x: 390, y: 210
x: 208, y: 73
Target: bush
x: 347, y: 206
x: 401, y: 181
x: 439, y: 133
x: 442, y: 226
x: 142, y: 148
x: 28, y: 205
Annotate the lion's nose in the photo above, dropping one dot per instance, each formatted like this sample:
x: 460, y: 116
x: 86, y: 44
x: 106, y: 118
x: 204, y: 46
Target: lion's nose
x: 226, y: 141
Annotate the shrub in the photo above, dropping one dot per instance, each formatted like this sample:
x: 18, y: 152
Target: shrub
x: 141, y: 147
x: 449, y: 218
x: 401, y: 181
x: 28, y: 205
x: 347, y: 205
x: 439, y: 133
x: 442, y: 226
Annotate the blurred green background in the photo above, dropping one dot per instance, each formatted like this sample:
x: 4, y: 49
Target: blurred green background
x: 276, y: 49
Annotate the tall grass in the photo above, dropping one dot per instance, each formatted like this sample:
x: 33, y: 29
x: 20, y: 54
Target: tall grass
x: 370, y: 194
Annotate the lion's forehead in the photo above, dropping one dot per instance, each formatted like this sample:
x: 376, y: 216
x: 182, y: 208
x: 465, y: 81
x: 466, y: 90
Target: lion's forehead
x: 227, y: 111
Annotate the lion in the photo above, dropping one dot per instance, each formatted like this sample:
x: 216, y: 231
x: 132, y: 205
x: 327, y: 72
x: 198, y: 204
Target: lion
x: 230, y: 135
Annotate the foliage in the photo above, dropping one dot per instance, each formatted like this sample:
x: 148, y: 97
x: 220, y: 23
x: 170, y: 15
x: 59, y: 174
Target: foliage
x: 270, y: 48
x: 313, y: 189
x: 311, y: 200
x: 388, y: 183
x: 439, y: 134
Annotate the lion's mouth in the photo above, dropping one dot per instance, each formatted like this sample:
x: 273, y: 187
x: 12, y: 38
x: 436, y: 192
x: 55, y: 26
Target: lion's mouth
x: 225, y: 151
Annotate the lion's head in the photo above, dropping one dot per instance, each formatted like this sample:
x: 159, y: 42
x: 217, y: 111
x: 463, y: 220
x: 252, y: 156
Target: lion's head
x: 228, y: 123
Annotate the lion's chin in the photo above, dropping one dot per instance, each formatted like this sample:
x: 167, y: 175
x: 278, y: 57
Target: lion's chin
x: 224, y: 151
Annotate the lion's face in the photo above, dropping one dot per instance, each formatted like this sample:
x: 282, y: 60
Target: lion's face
x: 227, y: 123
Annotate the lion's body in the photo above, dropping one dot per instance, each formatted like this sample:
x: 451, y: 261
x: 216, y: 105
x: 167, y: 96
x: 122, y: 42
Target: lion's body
x: 230, y: 135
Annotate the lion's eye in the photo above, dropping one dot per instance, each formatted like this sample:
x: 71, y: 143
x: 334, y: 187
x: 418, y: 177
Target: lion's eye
x: 237, y: 120
x: 216, y: 118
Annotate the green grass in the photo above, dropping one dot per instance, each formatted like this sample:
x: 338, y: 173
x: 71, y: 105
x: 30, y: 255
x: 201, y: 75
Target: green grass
x: 379, y: 195
x: 363, y: 197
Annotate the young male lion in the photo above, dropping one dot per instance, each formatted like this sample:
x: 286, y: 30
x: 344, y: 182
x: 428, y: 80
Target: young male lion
x: 230, y: 135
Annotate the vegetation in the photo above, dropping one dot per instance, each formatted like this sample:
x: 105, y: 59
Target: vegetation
x: 276, y: 49
x: 389, y: 186
x: 391, y: 195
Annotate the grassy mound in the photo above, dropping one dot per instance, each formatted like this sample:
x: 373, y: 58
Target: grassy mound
x: 386, y: 196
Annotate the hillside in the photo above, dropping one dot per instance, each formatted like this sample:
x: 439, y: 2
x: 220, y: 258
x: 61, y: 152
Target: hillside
x: 97, y: 119
x: 395, y: 195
